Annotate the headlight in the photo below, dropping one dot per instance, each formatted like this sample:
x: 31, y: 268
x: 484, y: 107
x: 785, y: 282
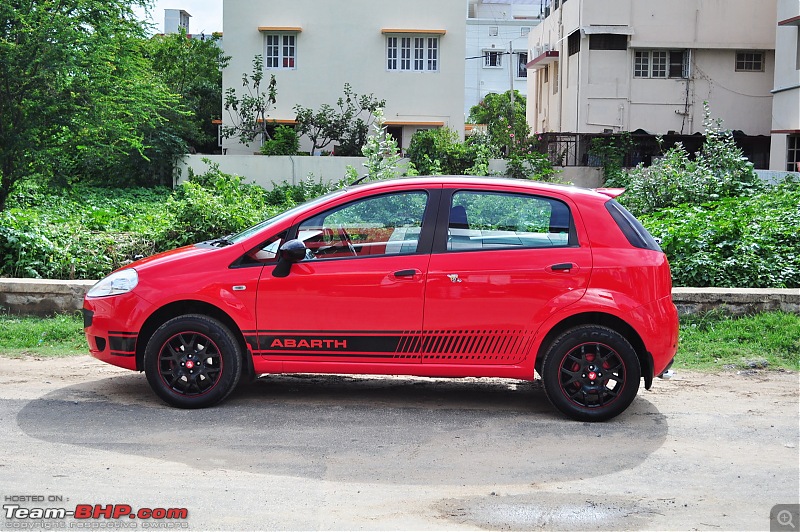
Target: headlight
x: 117, y: 283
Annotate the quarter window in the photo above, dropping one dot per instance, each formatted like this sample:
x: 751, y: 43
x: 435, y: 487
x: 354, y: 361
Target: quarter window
x: 383, y: 225
x: 489, y: 220
x: 412, y: 54
x: 280, y: 51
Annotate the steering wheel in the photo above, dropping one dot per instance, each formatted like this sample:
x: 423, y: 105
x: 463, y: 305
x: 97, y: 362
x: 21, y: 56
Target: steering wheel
x: 344, y: 237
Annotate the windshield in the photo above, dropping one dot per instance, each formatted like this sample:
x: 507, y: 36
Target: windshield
x: 247, y: 233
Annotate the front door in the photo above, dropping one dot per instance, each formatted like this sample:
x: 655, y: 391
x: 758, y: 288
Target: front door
x: 358, y: 297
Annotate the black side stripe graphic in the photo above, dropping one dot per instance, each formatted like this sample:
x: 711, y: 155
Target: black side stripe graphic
x: 496, y: 345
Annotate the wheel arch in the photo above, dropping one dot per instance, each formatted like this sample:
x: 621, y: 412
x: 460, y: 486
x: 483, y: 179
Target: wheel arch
x: 608, y: 320
x: 180, y: 308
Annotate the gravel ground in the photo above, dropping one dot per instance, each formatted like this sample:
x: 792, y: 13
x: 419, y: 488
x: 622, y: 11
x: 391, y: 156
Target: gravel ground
x: 700, y: 451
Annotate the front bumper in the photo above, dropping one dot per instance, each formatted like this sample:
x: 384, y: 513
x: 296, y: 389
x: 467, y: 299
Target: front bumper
x: 112, y: 326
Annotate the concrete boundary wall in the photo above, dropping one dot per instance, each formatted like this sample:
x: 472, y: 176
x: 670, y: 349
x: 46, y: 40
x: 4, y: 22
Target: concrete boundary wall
x: 45, y: 297
x: 269, y: 171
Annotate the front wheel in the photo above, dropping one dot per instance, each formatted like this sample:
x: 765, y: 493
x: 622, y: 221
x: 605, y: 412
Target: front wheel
x: 591, y: 373
x: 193, y: 361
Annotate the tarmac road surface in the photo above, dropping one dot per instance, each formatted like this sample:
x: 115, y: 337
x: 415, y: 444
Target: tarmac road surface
x: 701, y: 451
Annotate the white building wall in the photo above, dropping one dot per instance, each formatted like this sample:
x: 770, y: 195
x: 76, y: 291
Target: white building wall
x: 496, y: 27
x: 174, y: 19
x: 491, y: 35
x: 597, y: 89
x: 342, y: 42
x: 786, y: 90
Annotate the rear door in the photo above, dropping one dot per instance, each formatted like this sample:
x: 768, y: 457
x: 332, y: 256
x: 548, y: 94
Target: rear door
x: 502, y: 263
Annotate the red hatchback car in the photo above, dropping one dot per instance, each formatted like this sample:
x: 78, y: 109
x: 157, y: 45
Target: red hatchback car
x: 437, y: 276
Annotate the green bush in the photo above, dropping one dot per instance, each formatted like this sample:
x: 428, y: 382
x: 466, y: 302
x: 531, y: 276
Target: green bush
x: 719, y: 170
x: 440, y: 152
x: 733, y: 242
x: 284, y: 141
x: 214, y: 204
x: 88, y: 232
x: 79, y: 234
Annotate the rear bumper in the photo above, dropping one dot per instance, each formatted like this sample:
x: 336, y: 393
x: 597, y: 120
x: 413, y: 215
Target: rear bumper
x: 658, y: 327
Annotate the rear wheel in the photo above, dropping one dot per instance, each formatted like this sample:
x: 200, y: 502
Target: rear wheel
x: 591, y: 373
x: 193, y: 361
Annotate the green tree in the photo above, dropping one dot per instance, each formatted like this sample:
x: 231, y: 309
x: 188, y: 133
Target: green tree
x: 192, y: 69
x: 348, y: 123
x: 77, y: 97
x: 249, y: 112
x: 322, y: 126
x: 506, y: 124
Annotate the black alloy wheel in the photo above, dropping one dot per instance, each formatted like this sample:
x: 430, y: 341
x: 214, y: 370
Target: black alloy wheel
x: 193, y: 361
x: 591, y: 373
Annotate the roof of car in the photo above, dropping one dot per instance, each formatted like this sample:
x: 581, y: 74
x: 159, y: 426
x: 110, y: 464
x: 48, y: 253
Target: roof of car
x: 460, y: 180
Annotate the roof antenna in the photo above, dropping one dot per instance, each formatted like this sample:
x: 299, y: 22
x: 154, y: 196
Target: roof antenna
x: 359, y: 180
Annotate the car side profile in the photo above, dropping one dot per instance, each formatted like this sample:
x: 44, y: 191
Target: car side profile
x: 433, y: 276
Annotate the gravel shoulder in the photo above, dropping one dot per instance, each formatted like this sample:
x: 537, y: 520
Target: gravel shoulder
x: 700, y: 451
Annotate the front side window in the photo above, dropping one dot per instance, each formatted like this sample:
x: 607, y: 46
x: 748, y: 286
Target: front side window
x: 490, y: 220
x: 280, y: 51
x: 384, y: 225
x: 412, y: 54
x: 749, y: 61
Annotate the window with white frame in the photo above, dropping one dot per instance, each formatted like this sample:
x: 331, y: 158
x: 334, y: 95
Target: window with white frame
x: 492, y: 59
x: 661, y: 64
x: 412, y: 54
x: 749, y: 61
x: 280, y: 51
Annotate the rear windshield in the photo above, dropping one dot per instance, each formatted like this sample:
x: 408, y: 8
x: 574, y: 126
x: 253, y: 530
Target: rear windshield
x: 633, y: 230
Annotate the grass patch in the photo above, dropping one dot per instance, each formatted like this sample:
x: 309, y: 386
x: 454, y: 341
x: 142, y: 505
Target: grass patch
x: 60, y: 335
x: 712, y: 342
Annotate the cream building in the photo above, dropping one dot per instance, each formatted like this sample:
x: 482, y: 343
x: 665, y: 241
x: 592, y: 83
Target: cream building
x: 409, y: 53
x: 785, y: 148
x: 628, y: 65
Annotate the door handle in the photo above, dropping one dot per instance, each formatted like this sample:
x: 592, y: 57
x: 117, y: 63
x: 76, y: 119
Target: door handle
x: 407, y: 273
x: 562, y: 267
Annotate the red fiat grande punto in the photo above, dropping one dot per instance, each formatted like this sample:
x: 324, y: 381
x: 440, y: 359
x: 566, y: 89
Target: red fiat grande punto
x: 435, y: 276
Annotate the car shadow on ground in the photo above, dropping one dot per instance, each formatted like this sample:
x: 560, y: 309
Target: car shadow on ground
x: 353, y: 428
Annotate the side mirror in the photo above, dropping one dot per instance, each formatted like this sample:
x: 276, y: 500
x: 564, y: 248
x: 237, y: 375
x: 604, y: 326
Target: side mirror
x: 289, y: 253
x: 293, y: 251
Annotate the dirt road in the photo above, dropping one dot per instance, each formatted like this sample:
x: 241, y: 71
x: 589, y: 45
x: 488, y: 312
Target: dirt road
x: 710, y: 452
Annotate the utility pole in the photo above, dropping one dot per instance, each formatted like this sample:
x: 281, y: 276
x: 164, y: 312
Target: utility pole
x: 511, y: 81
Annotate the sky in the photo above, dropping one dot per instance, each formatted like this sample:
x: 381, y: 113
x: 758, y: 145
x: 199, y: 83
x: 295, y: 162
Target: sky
x: 206, y: 14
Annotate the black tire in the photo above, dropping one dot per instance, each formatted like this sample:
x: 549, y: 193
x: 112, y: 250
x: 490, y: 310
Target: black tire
x: 591, y: 373
x: 193, y: 361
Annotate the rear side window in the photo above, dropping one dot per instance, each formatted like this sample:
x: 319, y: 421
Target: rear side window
x: 491, y: 220
x: 633, y: 230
